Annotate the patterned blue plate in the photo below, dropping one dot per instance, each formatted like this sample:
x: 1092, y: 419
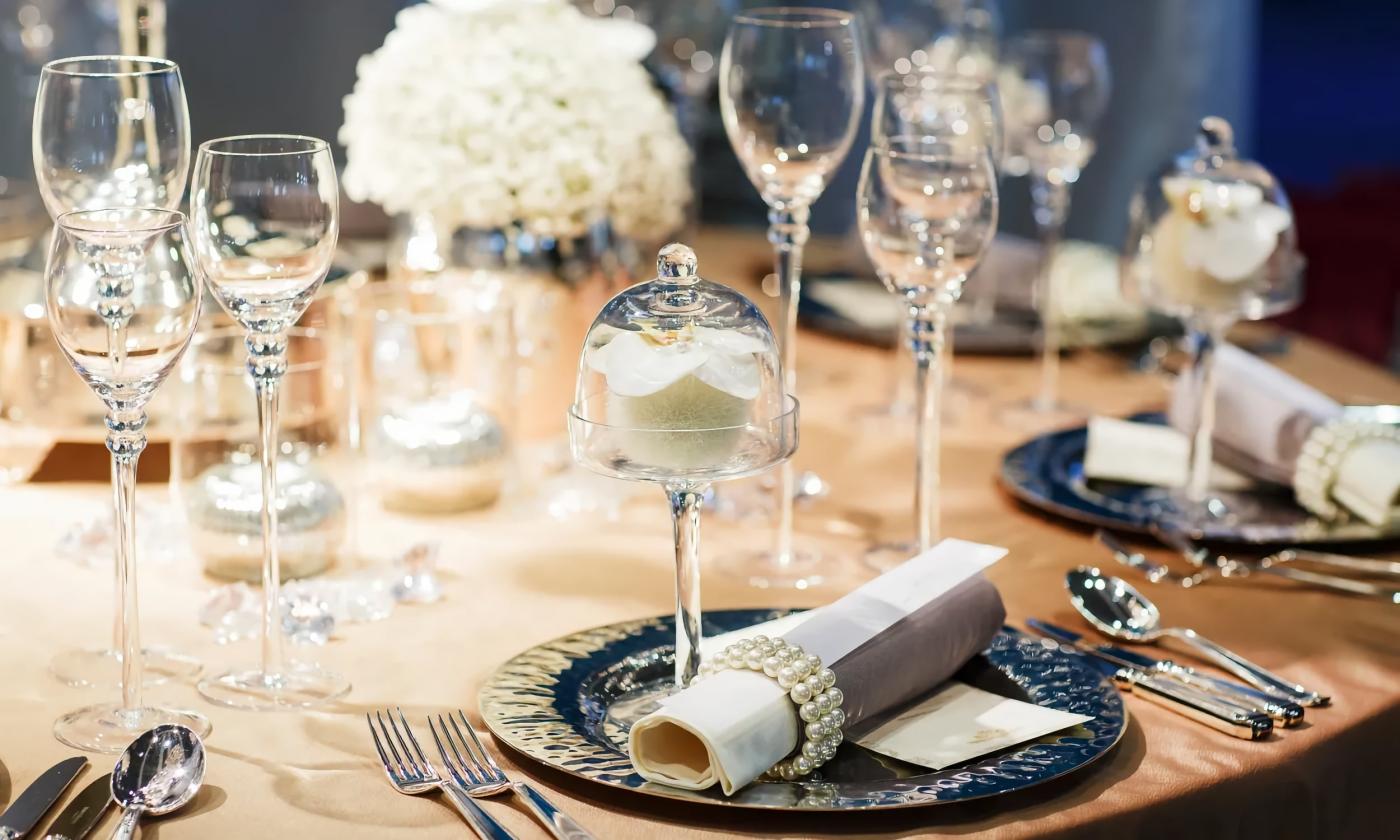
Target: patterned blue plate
x: 558, y: 704
x: 1047, y: 472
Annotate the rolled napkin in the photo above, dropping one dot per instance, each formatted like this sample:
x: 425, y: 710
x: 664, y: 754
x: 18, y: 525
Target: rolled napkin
x: 889, y: 641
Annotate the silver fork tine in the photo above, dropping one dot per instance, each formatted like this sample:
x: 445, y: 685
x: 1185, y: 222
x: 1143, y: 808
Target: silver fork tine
x: 468, y: 767
x: 476, y: 762
x: 446, y: 759
x: 414, y: 740
x: 500, y: 775
x: 408, y: 756
x: 403, y: 770
x: 383, y: 757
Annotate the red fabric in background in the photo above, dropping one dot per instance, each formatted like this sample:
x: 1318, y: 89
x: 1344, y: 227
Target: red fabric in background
x: 1351, y: 238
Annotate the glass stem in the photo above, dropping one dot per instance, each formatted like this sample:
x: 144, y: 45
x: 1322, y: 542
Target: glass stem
x: 1050, y: 197
x: 267, y: 361
x: 126, y: 438
x: 788, y: 231
x: 927, y: 325
x: 686, y: 500
x: 901, y: 398
x: 1205, y: 336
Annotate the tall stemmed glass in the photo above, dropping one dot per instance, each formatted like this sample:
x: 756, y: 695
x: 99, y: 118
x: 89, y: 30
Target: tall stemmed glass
x: 1063, y: 85
x: 266, y: 212
x: 792, y: 89
x: 155, y: 301
x: 927, y: 211
x: 112, y: 132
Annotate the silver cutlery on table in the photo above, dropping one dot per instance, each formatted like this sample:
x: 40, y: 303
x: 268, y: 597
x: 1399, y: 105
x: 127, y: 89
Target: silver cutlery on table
x: 1277, y: 565
x: 1222, y: 715
x: 1118, y: 610
x: 1283, y: 713
x: 159, y: 773
x: 39, y: 797
x: 84, y: 813
x: 479, y: 775
x: 1154, y: 572
x: 412, y: 774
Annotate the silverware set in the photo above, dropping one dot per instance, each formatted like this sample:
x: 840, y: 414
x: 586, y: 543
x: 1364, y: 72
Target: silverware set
x: 1248, y: 709
x: 1209, y: 565
x: 472, y: 773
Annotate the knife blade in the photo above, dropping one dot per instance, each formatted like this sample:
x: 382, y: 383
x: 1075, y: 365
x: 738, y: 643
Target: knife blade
x: 1283, y: 713
x: 1173, y: 695
x: 36, y: 799
x: 84, y: 812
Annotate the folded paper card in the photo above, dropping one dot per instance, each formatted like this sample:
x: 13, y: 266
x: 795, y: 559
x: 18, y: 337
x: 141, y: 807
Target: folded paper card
x: 889, y: 641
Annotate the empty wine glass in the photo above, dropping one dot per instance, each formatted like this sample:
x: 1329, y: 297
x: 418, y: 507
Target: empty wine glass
x: 1211, y: 240
x: 927, y: 211
x: 681, y: 384
x: 956, y: 37
x: 792, y: 89
x: 1061, y: 87
x: 266, y: 212
x: 122, y: 333
x: 112, y: 131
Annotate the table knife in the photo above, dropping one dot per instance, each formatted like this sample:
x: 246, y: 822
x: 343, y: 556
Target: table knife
x: 39, y: 797
x: 1220, y: 715
x: 1282, y: 712
x: 84, y: 812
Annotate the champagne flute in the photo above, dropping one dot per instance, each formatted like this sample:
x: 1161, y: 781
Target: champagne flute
x: 266, y: 212
x: 1063, y: 86
x: 152, y: 308
x: 112, y: 131
x: 927, y: 211
x: 792, y: 89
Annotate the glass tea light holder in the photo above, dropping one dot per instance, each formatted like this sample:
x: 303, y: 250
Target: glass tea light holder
x: 215, y: 468
x: 435, y: 368
x: 681, y: 384
x: 1211, y: 240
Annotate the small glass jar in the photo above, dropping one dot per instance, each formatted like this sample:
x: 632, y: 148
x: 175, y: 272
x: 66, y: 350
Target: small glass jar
x: 215, y: 473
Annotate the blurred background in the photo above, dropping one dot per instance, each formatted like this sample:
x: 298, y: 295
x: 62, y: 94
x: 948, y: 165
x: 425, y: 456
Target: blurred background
x: 1306, y: 87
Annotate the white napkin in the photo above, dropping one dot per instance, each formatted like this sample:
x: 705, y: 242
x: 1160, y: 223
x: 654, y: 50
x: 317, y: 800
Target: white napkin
x: 731, y: 727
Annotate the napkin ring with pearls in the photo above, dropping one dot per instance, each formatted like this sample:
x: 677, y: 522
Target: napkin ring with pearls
x: 811, y: 687
x: 1320, y: 460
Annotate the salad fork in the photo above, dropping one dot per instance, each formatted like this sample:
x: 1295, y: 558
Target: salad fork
x: 480, y: 776
x: 412, y: 776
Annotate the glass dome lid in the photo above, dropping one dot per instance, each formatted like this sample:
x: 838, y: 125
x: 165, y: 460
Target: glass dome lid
x: 680, y: 381
x: 1212, y: 235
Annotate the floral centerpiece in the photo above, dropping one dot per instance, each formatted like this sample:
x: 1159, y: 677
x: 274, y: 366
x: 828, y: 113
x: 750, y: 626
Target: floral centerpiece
x: 488, y: 114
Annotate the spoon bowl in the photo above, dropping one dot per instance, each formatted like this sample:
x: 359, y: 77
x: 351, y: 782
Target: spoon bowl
x: 160, y: 772
x: 1113, y: 606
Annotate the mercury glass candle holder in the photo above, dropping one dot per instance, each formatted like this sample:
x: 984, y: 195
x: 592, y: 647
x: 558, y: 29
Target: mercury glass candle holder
x: 681, y: 384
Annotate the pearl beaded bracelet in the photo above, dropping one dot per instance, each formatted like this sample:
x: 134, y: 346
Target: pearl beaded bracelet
x: 810, y: 686
x: 1315, y: 471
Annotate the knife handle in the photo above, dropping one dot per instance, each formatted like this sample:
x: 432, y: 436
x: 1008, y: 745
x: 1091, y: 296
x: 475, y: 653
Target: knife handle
x: 1186, y: 701
x: 1282, y: 712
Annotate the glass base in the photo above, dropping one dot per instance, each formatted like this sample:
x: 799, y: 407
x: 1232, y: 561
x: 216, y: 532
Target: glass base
x: 108, y: 728
x: 299, y: 687
x: 103, y: 668
x: 886, y: 556
x: 1038, y: 415
x: 765, y: 570
x: 1173, y: 510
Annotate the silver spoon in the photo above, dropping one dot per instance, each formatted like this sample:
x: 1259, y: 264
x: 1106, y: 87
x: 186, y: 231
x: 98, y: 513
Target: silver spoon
x: 158, y: 773
x: 1118, y: 610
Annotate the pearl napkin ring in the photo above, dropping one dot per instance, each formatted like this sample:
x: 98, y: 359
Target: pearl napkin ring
x: 811, y: 687
x: 1321, y: 458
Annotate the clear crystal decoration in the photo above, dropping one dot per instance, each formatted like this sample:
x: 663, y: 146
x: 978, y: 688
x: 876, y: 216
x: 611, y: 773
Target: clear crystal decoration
x: 681, y: 383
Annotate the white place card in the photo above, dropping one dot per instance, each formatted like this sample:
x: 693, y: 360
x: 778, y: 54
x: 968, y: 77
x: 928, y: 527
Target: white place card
x: 960, y: 722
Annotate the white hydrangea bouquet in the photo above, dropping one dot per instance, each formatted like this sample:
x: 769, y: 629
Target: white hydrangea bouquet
x: 492, y: 113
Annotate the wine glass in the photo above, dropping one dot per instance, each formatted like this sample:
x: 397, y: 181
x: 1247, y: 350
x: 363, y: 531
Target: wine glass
x: 956, y: 37
x: 112, y: 131
x: 792, y: 89
x: 122, y: 333
x: 1211, y: 240
x: 266, y: 212
x: 681, y: 384
x: 926, y: 209
x: 1061, y: 83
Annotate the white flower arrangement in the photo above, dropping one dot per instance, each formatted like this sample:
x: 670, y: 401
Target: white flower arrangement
x: 488, y: 113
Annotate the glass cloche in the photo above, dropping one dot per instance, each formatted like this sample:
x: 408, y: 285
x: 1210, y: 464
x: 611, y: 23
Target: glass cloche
x: 680, y: 383
x: 1212, y: 237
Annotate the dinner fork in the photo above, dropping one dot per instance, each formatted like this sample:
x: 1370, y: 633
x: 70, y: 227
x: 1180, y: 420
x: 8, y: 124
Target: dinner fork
x: 480, y: 776
x: 413, y: 777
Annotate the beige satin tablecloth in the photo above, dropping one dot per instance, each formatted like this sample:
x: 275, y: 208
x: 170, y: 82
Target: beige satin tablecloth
x: 515, y: 578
